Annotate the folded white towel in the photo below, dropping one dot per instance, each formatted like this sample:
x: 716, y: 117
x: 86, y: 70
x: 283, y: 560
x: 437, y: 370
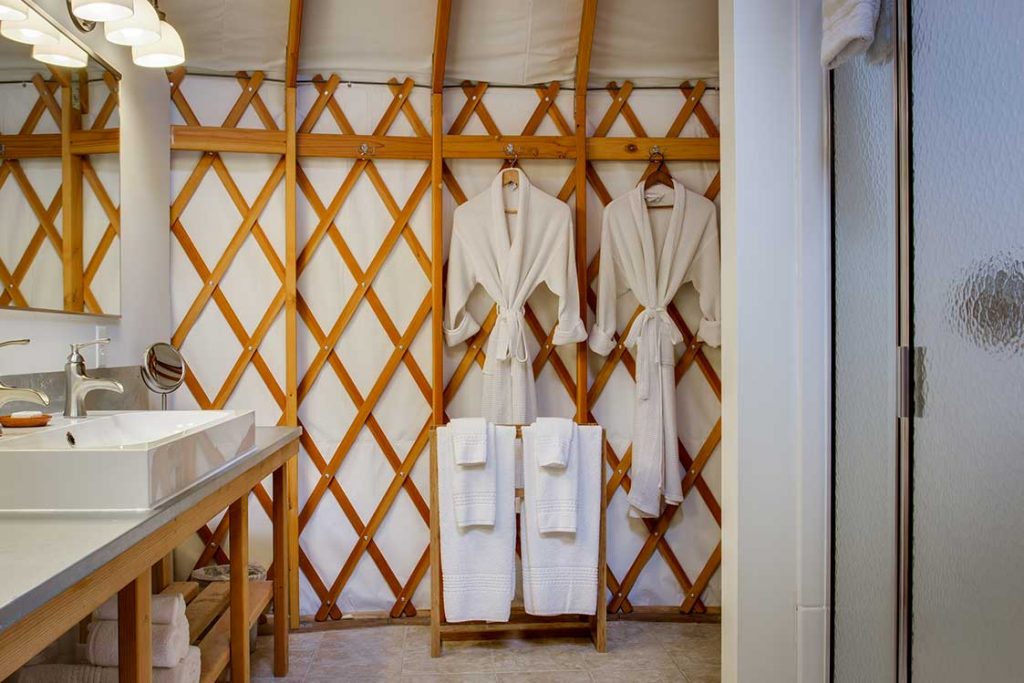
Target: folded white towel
x: 552, y: 439
x: 170, y: 643
x: 478, y: 562
x: 188, y: 671
x: 469, y: 440
x: 473, y: 487
x: 553, y: 491
x: 848, y: 29
x: 164, y: 609
x: 560, y: 569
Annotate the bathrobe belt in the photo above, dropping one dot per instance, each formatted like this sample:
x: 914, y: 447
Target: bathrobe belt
x: 650, y: 328
x: 508, y: 340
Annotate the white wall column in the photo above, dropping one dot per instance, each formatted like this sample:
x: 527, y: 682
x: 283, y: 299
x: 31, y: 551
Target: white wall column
x: 776, y: 336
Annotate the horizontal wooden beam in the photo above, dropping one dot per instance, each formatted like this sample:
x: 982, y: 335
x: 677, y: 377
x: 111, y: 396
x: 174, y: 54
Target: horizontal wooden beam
x: 30, y: 146
x: 351, y: 146
x: 639, y: 149
x: 494, y: 146
x: 255, y: 141
x: 214, y: 139
x: 85, y: 142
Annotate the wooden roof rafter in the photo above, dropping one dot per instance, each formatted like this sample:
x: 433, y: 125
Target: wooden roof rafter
x: 441, y: 29
x: 291, y: 70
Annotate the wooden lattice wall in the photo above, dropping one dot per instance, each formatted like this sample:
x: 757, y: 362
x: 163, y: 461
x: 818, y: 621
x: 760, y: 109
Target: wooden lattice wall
x: 83, y: 126
x: 404, y: 360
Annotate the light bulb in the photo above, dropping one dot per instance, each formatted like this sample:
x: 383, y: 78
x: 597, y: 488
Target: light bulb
x: 142, y: 28
x: 166, y: 52
x: 102, y: 10
x: 64, y: 53
x: 32, y: 30
x: 13, y: 10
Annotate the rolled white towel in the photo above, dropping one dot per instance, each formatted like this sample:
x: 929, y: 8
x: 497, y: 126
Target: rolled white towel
x: 469, y: 440
x: 164, y: 609
x: 170, y: 643
x: 188, y: 671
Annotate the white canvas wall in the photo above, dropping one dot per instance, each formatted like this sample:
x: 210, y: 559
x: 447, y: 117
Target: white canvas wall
x: 325, y: 285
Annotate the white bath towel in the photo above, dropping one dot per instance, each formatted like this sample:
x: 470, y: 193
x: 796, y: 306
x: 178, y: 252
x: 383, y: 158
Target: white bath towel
x: 469, y: 440
x: 188, y: 671
x: 478, y: 562
x: 553, y: 491
x: 164, y: 609
x: 848, y: 29
x: 560, y: 570
x: 473, y: 487
x: 552, y: 439
x: 170, y: 643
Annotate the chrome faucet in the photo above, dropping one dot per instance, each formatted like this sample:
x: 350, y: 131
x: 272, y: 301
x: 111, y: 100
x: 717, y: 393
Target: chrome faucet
x: 11, y: 394
x: 77, y: 384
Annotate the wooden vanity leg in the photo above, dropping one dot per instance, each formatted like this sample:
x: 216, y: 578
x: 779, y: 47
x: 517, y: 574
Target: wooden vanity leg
x: 238, y: 521
x: 282, y: 582
x: 134, y: 631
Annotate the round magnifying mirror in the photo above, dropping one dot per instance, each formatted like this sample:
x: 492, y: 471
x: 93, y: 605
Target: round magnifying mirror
x: 163, y: 370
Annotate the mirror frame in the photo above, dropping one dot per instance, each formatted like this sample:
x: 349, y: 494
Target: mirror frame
x: 69, y: 32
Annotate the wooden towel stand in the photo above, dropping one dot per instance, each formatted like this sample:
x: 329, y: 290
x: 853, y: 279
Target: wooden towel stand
x: 520, y: 624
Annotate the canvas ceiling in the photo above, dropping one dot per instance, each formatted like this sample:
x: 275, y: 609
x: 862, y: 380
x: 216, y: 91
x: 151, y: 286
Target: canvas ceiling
x: 650, y: 42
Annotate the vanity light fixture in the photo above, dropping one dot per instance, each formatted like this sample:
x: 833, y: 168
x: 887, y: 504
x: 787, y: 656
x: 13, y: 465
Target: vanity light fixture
x: 65, y: 53
x: 32, y: 30
x: 142, y: 28
x: 166, y: 52
x: 13, y: 10
x: 102, y: 10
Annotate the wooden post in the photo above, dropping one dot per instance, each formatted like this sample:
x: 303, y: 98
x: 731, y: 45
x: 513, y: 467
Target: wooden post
x: 134, y: 631
x: 435, y: 554
x: 163, y: 573
x: 587, y: 23
x: 291, y: 489
x: 282, y: 582
x: 238, y: 521
x: 71, y: 198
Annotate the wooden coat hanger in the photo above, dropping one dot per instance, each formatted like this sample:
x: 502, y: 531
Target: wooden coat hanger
x: 510, y: 171
x: 657, y: 174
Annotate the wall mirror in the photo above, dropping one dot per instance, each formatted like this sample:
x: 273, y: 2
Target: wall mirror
x: 60, y: 187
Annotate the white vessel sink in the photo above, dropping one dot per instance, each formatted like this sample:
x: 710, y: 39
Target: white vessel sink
x: 121, y: 461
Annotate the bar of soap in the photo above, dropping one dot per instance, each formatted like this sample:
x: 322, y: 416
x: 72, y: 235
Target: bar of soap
x: 26, y: 414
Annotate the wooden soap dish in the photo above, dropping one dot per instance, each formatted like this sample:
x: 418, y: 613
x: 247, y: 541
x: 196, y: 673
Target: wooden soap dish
x: 11, y: 422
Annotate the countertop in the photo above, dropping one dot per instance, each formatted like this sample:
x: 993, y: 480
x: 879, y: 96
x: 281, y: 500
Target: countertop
x: 44, y: 554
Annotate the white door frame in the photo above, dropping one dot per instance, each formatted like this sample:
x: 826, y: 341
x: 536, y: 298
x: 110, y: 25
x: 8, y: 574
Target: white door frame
x: 776, y: 351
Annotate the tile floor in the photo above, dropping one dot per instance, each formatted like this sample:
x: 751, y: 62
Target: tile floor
x: 637, y: 652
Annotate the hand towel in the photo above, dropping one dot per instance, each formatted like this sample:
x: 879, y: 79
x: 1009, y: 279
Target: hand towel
x: 170, y: 643
x: 188, y: 671
x: 473, y: 487
x: 469, y: 440
x: 478, y: 562
x: 848, y: 29
x: 553, y: 491
x: 552, y: 440
x: 164, y: 609
x: 560, y: 570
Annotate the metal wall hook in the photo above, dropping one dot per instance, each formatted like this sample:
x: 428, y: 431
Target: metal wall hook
x: 365, y: 150
x: 655, y: 154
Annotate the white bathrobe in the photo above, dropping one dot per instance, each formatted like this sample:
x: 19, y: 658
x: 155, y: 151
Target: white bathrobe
x: 654, y: 261
x: 509, y: 256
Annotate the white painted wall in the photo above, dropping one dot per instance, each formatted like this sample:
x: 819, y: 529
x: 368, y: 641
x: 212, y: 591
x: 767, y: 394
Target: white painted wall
x: 775, y: 323
x: 145, y: 243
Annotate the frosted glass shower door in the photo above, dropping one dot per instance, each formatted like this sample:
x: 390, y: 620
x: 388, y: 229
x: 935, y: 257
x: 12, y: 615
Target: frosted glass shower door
x: 967, y: 587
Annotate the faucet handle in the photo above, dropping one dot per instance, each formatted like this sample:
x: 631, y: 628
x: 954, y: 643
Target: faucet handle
x: 76, y: 357
x: 14, y: 342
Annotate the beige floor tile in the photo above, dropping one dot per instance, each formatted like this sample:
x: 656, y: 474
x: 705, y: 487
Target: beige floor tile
x: 703, y: 674
x: 449, y: 678
x: 262, y: 663
x: 703, y: 652
x: 660, y: 675
x: 545, y: 677
x: 629, y: 657
x: 541, y: 655
x: 673, y: 633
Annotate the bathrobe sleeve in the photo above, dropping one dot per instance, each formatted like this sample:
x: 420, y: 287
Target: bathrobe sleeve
x: 705, y: 274
x: 562, y: 280
x: 459, y: 324
x: 602, y: 334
